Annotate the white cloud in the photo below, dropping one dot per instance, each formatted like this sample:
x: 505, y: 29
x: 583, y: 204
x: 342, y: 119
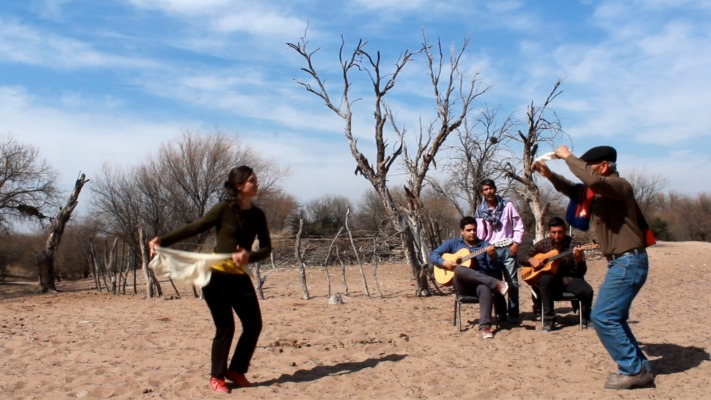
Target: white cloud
x: 51, y: 9
x: 261, y: 23
x: 645, y: 82
x: 25, y: 44
x: 185, y: 6
x: 226, y: 16
x: 394, y: 4
x: 73, y: 141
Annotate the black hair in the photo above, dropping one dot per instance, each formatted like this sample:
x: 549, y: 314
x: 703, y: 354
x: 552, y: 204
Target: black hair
x: 236, y: 176
x: 468, y: 220
x: 556, y: 221
x: 487, y: 182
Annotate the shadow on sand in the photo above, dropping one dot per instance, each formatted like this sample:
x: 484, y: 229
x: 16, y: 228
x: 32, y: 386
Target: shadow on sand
x: 304, y: 375
x: 673, y: 358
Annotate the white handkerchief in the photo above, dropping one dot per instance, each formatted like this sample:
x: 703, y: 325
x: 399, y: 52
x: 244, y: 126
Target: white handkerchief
x: 546, y: 157
x: 184, y: 266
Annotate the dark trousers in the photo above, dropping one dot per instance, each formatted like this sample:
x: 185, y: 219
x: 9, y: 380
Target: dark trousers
x: 551, y: 285
x: 224, y: 293
x: 469, y: 282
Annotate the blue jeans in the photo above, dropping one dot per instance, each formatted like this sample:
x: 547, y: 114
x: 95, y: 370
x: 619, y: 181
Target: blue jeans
x: 625, y: 277
x: 511, y: 277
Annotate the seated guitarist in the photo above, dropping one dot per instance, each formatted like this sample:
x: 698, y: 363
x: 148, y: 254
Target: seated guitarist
x: 569, y: 276
x: 477, y: 280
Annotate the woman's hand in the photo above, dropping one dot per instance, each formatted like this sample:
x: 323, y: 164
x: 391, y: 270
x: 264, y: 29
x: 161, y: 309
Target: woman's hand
x: 155, y: 242
x: 240, y: 257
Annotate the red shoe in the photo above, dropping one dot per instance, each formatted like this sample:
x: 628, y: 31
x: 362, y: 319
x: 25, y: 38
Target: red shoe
x: 238, y: 378
x: 219, y: 385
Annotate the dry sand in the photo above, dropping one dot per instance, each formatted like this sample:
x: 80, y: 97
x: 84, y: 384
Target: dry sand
x: 84, y: 344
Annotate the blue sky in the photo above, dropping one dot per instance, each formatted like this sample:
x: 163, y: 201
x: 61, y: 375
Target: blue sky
x: 93, y: 82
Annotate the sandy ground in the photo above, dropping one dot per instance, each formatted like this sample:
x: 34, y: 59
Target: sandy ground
x: 85, y: 344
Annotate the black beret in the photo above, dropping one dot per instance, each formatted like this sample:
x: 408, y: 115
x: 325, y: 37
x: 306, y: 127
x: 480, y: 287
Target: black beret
x: 599, y: 154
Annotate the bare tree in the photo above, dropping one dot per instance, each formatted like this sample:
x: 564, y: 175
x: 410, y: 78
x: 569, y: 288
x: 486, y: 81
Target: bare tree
x: 476, y: 156
x: 45, y: 260
x: 369, y: 213
x: 176, y: 186
x: 324, y: 215
x: 193, y: 170
x: 543, y: 126
x: 27, y: 183
x: 441, y: 217
x: 688, y: 216
x: 453, y: 95
x: 279, y: 207
x: 117, y: 204
x: 647, y: 187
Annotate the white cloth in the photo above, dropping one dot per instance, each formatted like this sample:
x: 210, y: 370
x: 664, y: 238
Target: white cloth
x: 187, y: 267
x: 547, y: 157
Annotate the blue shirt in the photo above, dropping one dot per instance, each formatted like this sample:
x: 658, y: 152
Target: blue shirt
x: 481, y: 263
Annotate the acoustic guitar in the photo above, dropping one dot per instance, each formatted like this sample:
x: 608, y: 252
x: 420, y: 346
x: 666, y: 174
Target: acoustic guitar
x: 550, y: 262
x: 462, y: 257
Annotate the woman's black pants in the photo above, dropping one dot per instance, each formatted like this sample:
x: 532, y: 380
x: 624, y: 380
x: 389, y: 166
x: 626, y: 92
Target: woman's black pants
x: 224, y: 293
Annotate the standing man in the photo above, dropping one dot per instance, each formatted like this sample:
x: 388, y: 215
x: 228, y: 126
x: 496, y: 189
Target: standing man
x: 568, y: 277
x: 478, y: 280
x: 621, y: 230
x: 498, y: 220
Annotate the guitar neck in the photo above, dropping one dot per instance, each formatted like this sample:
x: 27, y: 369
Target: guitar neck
x: 473, y: 254
x: 565, y: 253
x: 559, y: 255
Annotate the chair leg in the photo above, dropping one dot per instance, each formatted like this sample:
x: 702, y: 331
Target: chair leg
x: 580, y: 313
x: 459, y: 316
x: 454, y: 320
x: 494, y: 317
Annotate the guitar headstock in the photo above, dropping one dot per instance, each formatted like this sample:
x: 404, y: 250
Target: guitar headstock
x: 589, y: 246
x: 504, y: 242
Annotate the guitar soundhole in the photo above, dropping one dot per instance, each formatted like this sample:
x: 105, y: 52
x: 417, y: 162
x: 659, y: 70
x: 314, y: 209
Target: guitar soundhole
x: 459, y: 261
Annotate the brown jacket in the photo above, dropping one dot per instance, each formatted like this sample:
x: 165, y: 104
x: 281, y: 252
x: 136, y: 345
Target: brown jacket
x: 614, y: 209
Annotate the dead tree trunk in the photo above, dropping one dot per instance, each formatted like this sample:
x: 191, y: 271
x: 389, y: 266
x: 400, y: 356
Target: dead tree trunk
x: 328, y: 254
x: 375, y: 266
x: 109, y: 259
x: 355, y: 251
x: 299, y: 258
x: 45, y: 260
x: 152, y: 285
x: 95, y: 270
x: 343, y: 271
x: 260, y: 281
